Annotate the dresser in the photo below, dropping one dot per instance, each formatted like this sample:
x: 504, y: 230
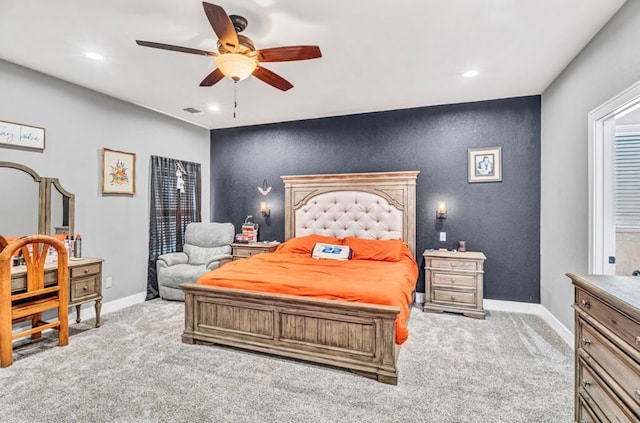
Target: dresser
x: 243, y: 250
x: 607, y: 348
x: 85, y: 282
x: 454, y: 282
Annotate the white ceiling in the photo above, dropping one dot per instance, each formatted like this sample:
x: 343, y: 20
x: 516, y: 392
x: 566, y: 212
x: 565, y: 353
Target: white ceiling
x: 377, y: 55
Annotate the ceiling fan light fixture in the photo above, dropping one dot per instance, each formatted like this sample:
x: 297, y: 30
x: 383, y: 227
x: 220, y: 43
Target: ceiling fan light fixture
x: 235, y: 66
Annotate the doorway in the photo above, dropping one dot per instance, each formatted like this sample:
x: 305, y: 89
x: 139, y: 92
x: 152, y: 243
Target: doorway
x: 602, y: 211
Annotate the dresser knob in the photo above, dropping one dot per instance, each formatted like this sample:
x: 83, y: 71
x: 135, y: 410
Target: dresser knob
x: 86, y: 270
x: 586, y: 383
x: 637, y: 341
x: 636, y: 394
x: 585, y: 342
x: 453, y: 280
x: 453, y: 265
x: 453, y: 298
x: 85, y: 288
x: 586, y: 304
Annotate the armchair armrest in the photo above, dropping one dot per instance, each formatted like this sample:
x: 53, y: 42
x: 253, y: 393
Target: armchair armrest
x: 171, y: 259
x: 218, y: 261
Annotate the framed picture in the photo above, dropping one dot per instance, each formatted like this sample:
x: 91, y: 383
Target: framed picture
x: 21, y: 136
x: 118, y: 172
x: 485, y: 164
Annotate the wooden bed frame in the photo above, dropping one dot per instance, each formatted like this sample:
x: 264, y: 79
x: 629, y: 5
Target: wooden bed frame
x: 355, y: 336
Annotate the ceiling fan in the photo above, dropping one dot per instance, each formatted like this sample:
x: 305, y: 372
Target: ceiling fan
x: 237, y: 57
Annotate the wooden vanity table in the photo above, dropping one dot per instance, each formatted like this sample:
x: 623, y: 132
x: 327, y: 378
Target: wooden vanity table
x: 85, y: 282
x: 47, y: 208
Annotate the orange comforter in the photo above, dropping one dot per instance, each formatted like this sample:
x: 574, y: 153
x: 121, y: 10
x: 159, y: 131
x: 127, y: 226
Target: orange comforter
x: 364, y: 281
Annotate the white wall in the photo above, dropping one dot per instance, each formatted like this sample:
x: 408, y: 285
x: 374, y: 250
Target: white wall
x: 78, y: 123
x: 609, y: 64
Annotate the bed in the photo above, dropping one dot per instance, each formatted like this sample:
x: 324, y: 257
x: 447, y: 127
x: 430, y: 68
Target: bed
x: 352, y: 335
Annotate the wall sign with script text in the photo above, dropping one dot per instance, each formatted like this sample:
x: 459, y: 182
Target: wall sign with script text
x: 22, y: 136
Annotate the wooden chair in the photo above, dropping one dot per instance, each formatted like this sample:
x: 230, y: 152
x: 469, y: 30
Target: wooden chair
x: 30, y: 304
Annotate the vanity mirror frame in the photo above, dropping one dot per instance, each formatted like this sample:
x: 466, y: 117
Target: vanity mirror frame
x: 45, y: 190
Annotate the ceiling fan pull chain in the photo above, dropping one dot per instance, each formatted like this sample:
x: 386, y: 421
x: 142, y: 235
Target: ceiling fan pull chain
x: 235, y: 98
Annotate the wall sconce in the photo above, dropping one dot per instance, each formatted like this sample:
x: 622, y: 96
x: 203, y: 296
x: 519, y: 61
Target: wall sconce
x: 264, y: 208
x: 441, y: 212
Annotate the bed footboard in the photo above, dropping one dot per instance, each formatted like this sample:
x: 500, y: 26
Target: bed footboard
x: 359, y: 337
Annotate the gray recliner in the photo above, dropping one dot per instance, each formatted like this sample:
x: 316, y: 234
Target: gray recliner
x: 207, y: 246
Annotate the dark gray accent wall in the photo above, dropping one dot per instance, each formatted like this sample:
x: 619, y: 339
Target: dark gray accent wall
x: 501, y: 219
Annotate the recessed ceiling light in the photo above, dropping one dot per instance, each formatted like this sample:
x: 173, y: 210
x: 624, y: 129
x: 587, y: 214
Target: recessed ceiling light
x: 93, y: 55
x: 470, y: 74
x: 214, y: 108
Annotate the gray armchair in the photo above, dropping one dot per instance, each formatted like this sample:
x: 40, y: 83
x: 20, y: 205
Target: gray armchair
x: 207, y: 246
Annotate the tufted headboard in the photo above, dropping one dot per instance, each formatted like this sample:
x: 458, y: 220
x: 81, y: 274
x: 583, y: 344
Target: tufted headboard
x: 365, y: 205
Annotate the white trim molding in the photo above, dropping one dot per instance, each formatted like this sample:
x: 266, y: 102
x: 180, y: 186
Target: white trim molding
x: 529, y: 308
x: 601, y: 128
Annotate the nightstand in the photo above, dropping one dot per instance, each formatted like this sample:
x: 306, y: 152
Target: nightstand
x: 241, y: 250
x: 454, y: 282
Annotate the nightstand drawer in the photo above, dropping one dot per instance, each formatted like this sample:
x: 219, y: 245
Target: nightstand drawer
x: 87, y: 270
x: 454, y: 297
x: 454, y: 280
x: 84, y: 288
x: 243, y: 251
x: 247, y: 252
x: 453, y: 264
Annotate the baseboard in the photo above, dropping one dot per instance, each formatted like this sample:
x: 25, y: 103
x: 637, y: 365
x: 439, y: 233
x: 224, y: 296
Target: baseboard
x: 529, y: 308
x: 88, y: 311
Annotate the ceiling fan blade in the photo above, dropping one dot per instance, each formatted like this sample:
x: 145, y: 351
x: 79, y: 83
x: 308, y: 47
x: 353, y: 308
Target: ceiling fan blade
x: 175, y: 48
x: 287, y: 54
x: 273, y: 79
x: 221, y: 25
x: 212, y: 78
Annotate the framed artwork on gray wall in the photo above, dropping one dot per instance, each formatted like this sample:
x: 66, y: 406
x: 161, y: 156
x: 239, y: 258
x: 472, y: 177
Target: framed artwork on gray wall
x: 485, y: 164
x: 14, y: 134
x: 118, y: 172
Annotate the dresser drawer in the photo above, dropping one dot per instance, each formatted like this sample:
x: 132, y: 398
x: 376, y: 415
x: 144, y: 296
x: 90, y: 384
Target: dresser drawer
x: 616, y: 363
x: 87, y: 270
x: 585, y: 415
x: 597, y: 394
x: 85, y: 288
x: 453, y: 264
x: 454, y: 297
x: 19, y: 282
x: 616, y: 322
x: 454, y: 280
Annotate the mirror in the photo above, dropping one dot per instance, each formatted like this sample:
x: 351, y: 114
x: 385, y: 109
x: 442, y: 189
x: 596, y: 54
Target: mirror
x: 21, y: 200
x: 33, y: 204
x: 61, y: 207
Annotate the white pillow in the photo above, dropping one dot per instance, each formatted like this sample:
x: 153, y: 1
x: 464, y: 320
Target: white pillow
x: 323, y: 251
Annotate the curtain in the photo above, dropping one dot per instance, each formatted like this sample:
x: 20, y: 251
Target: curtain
x: 170, y: 210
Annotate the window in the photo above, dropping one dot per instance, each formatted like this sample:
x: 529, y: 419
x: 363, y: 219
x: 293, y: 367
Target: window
x: 627, y: 184
x: 174, y: 204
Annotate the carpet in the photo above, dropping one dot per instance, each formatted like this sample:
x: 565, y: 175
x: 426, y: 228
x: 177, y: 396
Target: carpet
x: 134, y: 368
